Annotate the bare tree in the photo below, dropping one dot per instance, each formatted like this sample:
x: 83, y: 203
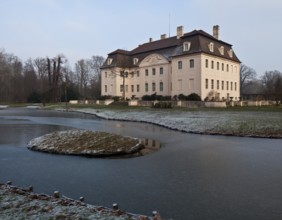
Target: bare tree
x: 247, y: 75
x: 54, y: 75
x: 95, y: 80
x: 30, y: 86
x: 82, y: 71
x: 10, y: 77
x: 272, y: 82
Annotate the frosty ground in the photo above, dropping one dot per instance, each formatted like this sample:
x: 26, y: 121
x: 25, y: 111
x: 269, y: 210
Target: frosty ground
x: 236, y: 123
x: 17, y: 203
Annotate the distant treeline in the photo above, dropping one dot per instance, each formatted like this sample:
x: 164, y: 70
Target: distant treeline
x: 46, y: 79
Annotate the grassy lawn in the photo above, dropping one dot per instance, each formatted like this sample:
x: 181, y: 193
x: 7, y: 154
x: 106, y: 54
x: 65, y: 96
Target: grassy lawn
x: 141, y: 108
x: 241, y: 121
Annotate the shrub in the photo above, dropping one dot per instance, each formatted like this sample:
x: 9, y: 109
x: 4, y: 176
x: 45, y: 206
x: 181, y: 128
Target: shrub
x: 193, y: 97
x: 154, y: 97
x: 181, y: 97
x: 104, y: 97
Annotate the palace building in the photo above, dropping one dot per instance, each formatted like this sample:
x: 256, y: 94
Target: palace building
x: 193, y: 62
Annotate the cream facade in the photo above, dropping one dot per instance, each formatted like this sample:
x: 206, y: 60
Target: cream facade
x: 194, y: 62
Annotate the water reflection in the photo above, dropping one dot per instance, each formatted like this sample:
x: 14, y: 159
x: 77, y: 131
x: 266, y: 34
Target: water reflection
x: 21, y: 134
x: 191, y: 177
x: 150, y: 146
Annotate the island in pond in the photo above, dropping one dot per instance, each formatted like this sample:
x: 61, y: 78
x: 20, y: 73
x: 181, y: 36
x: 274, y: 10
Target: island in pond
x: 86, y: 143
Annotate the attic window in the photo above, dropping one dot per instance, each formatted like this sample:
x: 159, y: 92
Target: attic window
x: 135, y: 61
x: 186, y: 46
x: 211, y: 47
x: 221, y: 50
x: 230, y: 53
x: 109, y: 61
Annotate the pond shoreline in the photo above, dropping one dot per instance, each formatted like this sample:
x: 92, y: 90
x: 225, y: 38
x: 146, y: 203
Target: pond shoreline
x: 168, y: 124
x: 21, y: 203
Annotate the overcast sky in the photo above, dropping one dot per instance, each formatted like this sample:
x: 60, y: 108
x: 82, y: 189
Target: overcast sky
x: 82, y: 28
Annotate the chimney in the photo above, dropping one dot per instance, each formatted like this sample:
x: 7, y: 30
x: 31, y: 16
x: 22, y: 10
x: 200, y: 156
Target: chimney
x: 216, y: 32
x: 163, y: 36
x: 150, y: 39
x: 180, y: 31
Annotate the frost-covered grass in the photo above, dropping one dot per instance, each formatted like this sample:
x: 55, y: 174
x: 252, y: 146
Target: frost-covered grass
x: 17, y: 203
x: 87, y: 143
x: 238, y: 122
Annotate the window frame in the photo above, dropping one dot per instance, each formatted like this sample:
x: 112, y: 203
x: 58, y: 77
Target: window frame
x: 180, y: 65
x: 192, y: 63
x: 153, y: 86
x: 161, y: 86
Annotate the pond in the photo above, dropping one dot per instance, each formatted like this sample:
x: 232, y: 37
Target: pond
x: 190, y: 177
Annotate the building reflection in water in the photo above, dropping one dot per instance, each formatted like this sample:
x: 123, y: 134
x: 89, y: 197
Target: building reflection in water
x: 150, y: 146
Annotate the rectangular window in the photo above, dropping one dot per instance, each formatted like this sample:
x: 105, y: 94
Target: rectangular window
x: 217, y: 65
x: 222, y: 66
x: 106, y: 74
x: 161, y: 70
x: 137, y: 88
x: 126, y: 88
x: 153, y: 87
x: 179, y: 65
x: 192, y: 63
x: 235, y: 86
x: 231, y: 86
x: 161, y: 86
x: 138, y: 73
x: 212, y: 84
x: 207, y: 63
x: 227, y: 85
x: 227, y: 67
x: 217, y: 84
x: 121, y: 88
x: 106, y: 88
x: 153, y: 71
x: 222, y: 85
x: 207, y: 84
x: 132, y: 88
x: 212, y: 64
x: 146, y: 87
x: 146, y: 72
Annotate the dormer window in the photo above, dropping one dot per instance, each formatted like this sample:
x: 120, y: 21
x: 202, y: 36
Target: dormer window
x: 135, y: 61
x: 211, y: 46
x: 109, y: 61
x: 221, y: 50
x: 230, y: 53
x: 186, y: 46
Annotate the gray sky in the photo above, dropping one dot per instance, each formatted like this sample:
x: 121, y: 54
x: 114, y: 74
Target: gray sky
x: 82, y: 28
